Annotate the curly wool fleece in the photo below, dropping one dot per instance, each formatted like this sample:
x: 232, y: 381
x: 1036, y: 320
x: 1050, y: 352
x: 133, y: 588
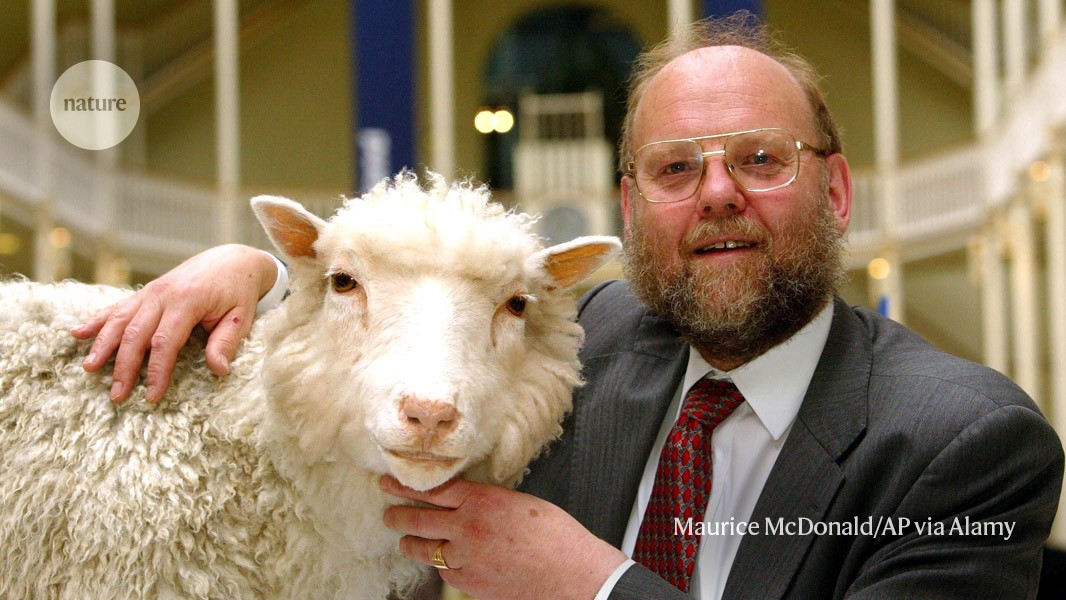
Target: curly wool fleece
x: 234, y: 487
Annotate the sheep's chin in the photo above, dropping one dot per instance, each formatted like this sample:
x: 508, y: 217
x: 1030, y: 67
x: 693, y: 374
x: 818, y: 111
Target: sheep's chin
x: 422, y: 471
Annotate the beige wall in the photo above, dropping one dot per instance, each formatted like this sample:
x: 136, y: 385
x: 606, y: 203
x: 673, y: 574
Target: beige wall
x: 295, y: 109
x: 934, y: 111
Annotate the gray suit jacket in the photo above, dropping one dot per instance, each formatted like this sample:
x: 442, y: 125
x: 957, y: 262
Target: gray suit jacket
x: 890, y: 429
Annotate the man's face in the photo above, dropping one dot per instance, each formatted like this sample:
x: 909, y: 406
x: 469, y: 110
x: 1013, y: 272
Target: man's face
x: 735, y: 303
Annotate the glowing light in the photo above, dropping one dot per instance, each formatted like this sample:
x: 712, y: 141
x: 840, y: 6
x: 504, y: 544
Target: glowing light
x: 484, y: 121
x: 503, y: 120
x: 878, y: 268
x: 59, y: 238
x: 1039, y: 171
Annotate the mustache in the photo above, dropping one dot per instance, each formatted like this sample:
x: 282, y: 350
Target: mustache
x: 732, y: 226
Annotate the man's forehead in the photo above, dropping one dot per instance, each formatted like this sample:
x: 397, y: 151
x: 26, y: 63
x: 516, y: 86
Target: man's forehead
x: 737, y: 83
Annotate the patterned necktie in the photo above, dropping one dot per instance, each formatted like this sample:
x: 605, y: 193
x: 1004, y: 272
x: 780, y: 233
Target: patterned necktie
x: 683, y: 482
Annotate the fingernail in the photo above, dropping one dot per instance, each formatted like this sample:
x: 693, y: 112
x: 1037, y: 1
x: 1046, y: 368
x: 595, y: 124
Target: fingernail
x: 116, y: 390
x: 90, y: 359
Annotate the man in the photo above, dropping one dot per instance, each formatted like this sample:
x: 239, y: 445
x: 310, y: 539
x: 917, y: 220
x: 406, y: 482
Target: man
x: 847, y: 457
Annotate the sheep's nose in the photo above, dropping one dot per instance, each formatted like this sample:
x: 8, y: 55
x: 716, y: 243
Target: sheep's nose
x: 429, y: 414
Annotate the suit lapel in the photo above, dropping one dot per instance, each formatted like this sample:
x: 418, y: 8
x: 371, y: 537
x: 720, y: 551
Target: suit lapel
x: 622, y: 409
x: 806, y: 477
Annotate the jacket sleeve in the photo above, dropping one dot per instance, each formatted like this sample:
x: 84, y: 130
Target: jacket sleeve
x: 991, y: 495
x: 640, y: 583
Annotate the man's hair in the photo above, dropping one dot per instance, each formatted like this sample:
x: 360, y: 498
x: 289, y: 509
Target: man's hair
x: 741, y: 28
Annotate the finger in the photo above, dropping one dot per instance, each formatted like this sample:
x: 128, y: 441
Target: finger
x: 422, y: 550
x: 109, y: 337
x: 169, y: 337
x: 134, y: 343
x: 421, y: 521
x: 91, y: 327
x: 449, y: 494
x: 226, y: 337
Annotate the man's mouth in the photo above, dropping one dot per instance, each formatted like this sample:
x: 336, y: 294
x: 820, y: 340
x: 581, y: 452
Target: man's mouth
x: 724, y: 245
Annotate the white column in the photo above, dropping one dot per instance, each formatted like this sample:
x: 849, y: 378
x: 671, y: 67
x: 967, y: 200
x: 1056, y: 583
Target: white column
x: 886, y: 142
x: 43, y: 33
x: 1014, y: 43
x: 104, y: 48
x: 1050, y: 16
x: 985, y: 99
x: 993, y: 299
x: 227, y: 120
x: 1055, y: 232
x: 679, y: 12
x: 1024, y: 302
x: 442, y: 86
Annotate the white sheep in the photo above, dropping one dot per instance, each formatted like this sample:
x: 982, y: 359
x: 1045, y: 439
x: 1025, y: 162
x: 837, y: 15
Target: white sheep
x: 428, y: 334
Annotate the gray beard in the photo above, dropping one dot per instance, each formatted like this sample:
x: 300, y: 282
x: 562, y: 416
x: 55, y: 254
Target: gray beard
x: 737, y: 313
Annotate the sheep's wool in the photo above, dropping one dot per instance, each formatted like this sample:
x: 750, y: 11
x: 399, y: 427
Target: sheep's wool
x: 263, y: 484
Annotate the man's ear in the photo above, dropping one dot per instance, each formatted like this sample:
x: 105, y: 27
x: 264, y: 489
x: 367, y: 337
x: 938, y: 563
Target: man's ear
x: 289, y: 226
x: 571, y: 262
x: 628, y: 188
x: 839, y: 189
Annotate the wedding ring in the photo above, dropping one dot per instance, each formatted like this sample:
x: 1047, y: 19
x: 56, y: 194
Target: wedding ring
x: 438, y: 558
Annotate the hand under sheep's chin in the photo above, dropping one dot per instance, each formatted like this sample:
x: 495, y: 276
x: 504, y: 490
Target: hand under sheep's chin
x: 422, y: 470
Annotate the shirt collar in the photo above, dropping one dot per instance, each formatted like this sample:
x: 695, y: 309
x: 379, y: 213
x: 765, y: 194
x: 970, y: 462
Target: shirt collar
x: 774, y: 383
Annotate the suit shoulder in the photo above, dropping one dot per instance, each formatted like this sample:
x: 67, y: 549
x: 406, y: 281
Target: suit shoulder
x: 610, y: 314
x: 903, y: 360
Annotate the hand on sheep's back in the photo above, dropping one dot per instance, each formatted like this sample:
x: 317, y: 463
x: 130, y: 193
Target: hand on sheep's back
x: 216, y: 289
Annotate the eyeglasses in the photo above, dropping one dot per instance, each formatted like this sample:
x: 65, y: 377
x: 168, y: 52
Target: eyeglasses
x: 759, y: 160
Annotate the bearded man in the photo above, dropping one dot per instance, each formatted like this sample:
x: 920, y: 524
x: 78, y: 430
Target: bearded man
x: 743, y: 433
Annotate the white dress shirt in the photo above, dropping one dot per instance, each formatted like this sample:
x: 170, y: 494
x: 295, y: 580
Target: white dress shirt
x: 274, y: 297
x: 745, y: 447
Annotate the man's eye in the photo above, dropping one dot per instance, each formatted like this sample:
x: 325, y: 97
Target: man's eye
x: 342, y: 282
x: 760, y: 158
x: 675, y: 168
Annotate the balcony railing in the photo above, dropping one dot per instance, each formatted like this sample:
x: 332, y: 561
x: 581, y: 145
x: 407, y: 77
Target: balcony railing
x: 147, y: 215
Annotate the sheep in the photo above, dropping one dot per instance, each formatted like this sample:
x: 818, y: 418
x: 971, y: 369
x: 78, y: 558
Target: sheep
x: 428, y: 334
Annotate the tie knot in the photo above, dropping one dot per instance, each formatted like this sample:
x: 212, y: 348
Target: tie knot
x: 710, y: 401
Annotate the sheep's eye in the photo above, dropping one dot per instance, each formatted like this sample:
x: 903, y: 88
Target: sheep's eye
x: 342, y: 282
x: 517, y: 305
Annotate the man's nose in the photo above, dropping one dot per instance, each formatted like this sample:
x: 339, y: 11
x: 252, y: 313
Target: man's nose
x: 719, y: 193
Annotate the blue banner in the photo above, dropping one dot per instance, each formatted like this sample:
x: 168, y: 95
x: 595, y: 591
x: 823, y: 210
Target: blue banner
x: 721, y: 8
x: 383, y: 46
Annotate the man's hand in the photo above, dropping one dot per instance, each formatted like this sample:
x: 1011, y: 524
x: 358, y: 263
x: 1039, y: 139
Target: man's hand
x: 218, y: 289
x: 500, y: 543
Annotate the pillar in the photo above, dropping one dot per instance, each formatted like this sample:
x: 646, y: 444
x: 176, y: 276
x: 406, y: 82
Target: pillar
x: 442, y: 86
x: 43, y: 35
x: 886, y: 144
x: 227, y: 120
x: 1024, y: 301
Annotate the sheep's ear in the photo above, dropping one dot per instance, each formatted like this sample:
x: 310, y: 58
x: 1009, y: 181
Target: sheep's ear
x: 289, y: 226
x: 571, y: 262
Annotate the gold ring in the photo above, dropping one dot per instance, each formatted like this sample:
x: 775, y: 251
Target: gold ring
x: 438, y: 558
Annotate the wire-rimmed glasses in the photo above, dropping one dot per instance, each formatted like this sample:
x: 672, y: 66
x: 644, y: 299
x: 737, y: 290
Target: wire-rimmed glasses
x: 759, y: 160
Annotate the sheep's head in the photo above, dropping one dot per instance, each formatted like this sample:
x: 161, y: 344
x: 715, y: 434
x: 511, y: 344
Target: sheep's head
x: 428, y: 332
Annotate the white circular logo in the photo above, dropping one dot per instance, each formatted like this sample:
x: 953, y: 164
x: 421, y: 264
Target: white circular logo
x: 95, y: 104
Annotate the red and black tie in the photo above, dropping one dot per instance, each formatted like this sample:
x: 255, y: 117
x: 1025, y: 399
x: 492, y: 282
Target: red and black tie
x: 683, y: 482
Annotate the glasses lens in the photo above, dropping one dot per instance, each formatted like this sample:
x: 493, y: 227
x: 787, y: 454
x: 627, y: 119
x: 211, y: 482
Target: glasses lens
x: 668, y: 171
x: 762, y: 160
